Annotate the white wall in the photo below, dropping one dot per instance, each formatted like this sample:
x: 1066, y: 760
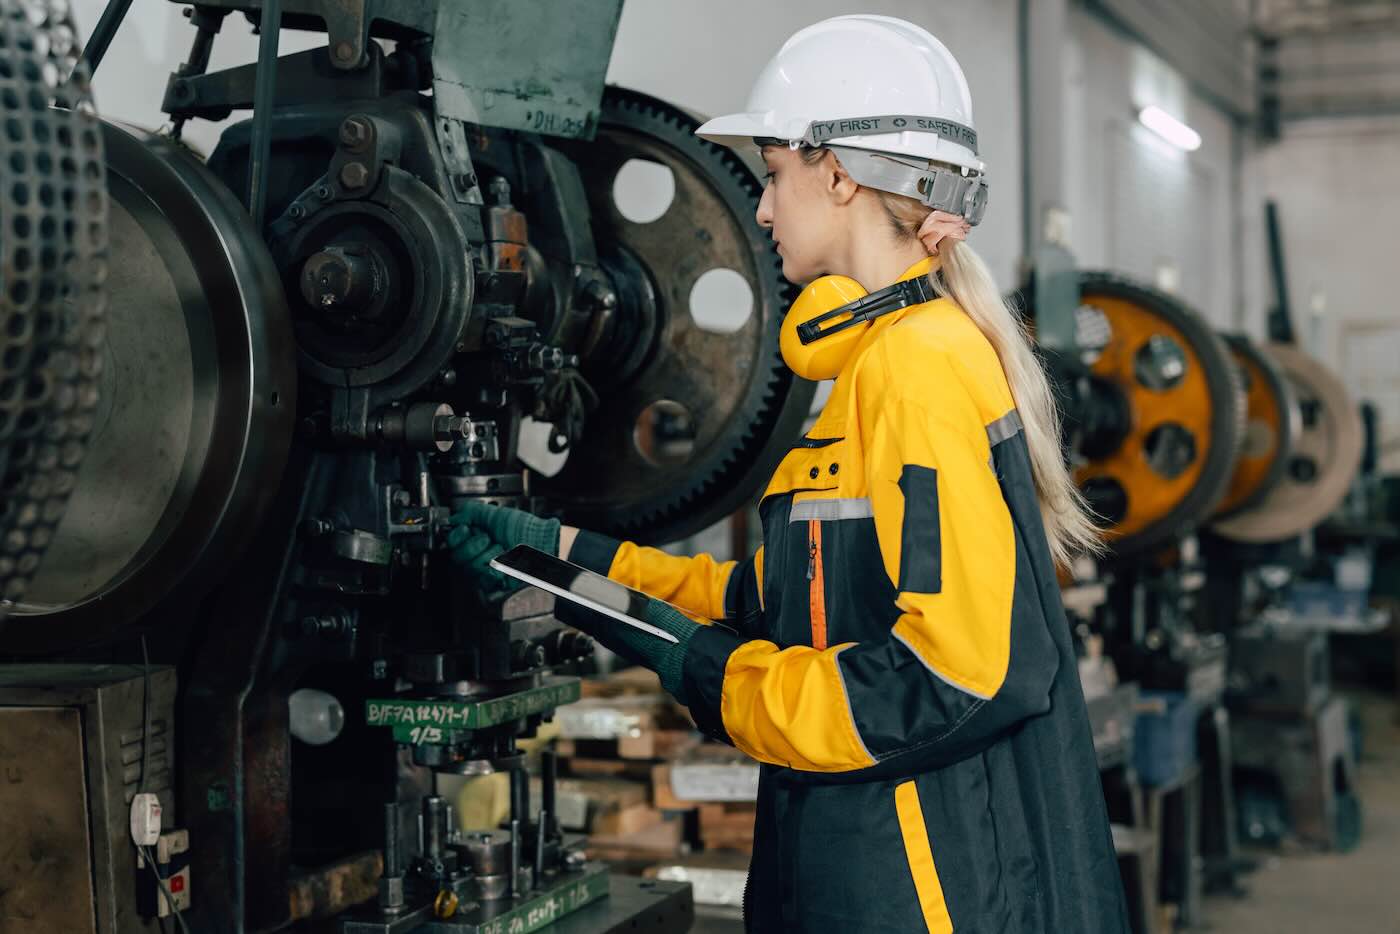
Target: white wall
x: 705, y: 56
x: 1338, y: 194
x: 1139, y: 206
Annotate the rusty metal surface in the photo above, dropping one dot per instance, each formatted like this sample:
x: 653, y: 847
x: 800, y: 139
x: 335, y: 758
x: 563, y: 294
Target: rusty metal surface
x: 108, y: 699
x: 46, y: 884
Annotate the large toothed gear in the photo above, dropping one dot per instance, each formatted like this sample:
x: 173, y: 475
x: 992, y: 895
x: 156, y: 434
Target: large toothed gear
x: 1159, y: 426
x: 743, y: 403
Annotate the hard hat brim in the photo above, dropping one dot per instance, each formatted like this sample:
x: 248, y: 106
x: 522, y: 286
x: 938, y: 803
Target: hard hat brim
x: 735, y: 130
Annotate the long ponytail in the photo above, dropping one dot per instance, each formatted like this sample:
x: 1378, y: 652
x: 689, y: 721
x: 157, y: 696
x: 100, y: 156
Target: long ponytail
x: 965, y: 279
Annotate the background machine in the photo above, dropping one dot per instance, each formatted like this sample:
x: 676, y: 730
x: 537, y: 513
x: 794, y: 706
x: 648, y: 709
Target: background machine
x: 1213, y: 461
x: 261, y: 382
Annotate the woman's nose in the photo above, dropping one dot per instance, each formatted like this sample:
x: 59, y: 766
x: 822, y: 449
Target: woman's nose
x: 764, y: 214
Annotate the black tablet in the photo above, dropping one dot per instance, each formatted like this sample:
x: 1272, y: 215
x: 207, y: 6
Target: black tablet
x: 577, y: 584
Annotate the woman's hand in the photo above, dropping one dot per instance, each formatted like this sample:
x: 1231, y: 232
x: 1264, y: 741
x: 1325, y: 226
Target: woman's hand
x: 662, y: 656
x: 940, y: 226
x: 481, y: 531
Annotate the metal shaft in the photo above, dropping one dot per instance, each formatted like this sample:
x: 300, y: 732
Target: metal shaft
x: 549, y: 773
x: 434, y: 826
x: 264, y: 95
x: 520, y: 796
x: 539, y: 850
x: 515, y: 841
x: 393, y: 852
x: 104, y: 31
x: 391, y: 898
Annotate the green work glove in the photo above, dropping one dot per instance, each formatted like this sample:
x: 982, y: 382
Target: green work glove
x: 665, y: 658
x: 474, y: 550
x: 510, y: 527
x: 480, y: 532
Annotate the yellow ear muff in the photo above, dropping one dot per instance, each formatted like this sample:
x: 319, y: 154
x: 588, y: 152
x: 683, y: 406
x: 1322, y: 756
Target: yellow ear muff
x: 821, y: 359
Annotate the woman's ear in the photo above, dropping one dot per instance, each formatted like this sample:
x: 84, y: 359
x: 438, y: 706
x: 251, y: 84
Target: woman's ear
x: 840, y: 186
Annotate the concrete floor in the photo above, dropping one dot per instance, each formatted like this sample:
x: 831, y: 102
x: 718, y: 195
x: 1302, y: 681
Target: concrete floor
x: 1302, y: 892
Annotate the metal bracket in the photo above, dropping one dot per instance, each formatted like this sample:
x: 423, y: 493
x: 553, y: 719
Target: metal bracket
x: 456, y: 157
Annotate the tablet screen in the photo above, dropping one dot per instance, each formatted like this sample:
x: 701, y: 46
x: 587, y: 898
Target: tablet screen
x: 575, y: 583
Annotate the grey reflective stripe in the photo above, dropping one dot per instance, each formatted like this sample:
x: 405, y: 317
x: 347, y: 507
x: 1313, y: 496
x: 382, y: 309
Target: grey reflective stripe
x: 1004, y: 427
x: 826, y: 509
x: 941, y: 188
x: 819, y: 131
x: 935, y: 672
x: 841, y: 679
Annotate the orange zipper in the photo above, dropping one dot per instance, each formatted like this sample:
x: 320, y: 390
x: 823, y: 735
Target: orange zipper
x: 816, y: 594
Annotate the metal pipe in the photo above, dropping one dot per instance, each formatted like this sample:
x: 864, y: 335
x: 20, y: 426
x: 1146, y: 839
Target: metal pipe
x: 104, y: 32
x: 264, y: 95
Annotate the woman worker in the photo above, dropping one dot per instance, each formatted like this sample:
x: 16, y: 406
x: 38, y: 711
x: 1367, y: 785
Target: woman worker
x: 896, y: 653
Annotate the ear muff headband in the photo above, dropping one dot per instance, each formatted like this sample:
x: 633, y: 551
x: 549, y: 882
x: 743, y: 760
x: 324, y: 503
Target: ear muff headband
x: 914, y: 291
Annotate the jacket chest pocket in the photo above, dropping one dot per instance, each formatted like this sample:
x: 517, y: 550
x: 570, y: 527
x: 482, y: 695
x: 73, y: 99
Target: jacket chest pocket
x: 795, y: 572
x: 830, y: 586
x: 843, y: 587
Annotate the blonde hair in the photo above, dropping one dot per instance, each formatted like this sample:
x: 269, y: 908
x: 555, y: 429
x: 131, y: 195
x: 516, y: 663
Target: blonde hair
x: 965, y: 279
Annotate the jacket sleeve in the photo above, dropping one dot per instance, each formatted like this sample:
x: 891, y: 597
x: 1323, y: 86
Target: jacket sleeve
x: 699, y: 586
x: 968, y: 658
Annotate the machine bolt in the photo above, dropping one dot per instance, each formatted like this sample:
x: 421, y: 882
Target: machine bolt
x: 343, y: 52
x: 297, y: 212
x: 323, y: 192
x: 354, y: 175
x: 402, y: 498
x: 450, y: 428
x: 342, y: 280
x: 356, y: 133
x: 600, y: 294
x: 465, y: 181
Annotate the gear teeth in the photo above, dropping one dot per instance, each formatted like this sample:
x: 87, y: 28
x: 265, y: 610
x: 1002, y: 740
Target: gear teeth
x: 777, y: 395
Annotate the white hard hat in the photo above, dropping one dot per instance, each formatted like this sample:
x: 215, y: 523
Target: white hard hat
x: 860, y: 82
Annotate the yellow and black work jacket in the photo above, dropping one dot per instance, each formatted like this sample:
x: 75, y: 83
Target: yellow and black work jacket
x: 903, y: 665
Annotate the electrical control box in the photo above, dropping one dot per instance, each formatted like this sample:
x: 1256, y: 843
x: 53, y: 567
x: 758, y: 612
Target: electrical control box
x: 71, y: 745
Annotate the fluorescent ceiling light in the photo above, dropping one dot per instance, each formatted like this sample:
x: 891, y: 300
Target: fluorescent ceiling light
x: 1169, y: 128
